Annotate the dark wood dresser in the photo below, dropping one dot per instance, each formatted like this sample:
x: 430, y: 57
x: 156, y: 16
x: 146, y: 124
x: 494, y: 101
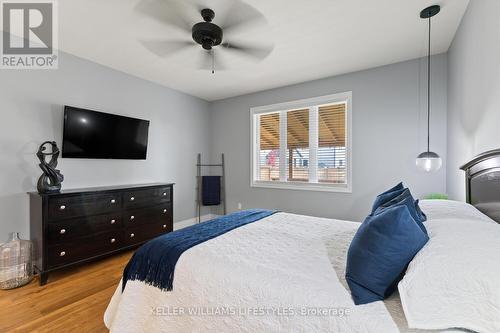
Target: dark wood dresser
x: 79, y: 225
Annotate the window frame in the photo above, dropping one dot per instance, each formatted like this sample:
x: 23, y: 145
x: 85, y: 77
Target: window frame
x: 345, y: 97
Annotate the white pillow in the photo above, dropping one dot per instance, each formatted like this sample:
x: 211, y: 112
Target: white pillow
x: 454, y: 281
x: 443, y: 209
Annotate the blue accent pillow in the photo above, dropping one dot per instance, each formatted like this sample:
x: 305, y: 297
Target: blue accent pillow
x: 405, y: 198
x: 387, y: 196
x: 379, y: 253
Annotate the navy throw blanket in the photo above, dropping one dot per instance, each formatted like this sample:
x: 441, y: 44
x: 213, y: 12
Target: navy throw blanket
x: 210, y: 190
x: 154, y: 262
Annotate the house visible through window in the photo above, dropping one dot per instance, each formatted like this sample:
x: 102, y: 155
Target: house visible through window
x: 303, y: 144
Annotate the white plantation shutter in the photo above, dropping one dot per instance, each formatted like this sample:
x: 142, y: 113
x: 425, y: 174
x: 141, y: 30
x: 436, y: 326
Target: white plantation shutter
x: 303, y: 146
x: 332, y: 157
x: 269, y: 147
x: 297, y: 133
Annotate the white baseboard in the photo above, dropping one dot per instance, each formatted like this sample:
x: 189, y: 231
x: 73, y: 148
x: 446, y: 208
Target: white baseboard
x: 186, y: 223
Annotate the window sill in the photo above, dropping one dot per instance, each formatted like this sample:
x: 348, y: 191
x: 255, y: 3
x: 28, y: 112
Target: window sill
x: 318, y: 187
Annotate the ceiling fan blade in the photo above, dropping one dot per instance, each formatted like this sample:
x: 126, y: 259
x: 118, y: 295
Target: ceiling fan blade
x: 256, y: 52
x: 207, y: 62
x: 165, y: 48
x: 170, y: 12
x: 239, y: 15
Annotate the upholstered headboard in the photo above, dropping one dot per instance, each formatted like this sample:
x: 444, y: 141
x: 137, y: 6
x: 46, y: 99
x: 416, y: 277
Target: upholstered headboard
x: 482, y: 181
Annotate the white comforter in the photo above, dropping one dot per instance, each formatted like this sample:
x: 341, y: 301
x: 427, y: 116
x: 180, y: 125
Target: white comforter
x: 274, y: 275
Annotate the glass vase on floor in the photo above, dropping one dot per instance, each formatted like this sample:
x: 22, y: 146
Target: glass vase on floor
x: 16, y: 263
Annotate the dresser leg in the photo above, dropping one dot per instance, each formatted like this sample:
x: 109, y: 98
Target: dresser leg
x: 43, y: 278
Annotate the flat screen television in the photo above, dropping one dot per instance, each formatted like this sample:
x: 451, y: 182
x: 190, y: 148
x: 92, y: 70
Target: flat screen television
x: 92, y: 134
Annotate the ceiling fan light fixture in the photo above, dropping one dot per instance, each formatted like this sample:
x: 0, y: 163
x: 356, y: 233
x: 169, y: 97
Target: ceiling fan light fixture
x: 207, y: 44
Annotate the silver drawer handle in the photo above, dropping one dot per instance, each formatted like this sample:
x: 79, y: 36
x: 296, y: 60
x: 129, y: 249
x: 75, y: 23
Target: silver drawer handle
x: 132, y: 198
x: 164, y: 226
x: 62, y: 231
x: 113, y: 201
x: 62, y: 254
x: 63, y: 207
x: 113, y: 221
x: 164, y: 211
x: 132, y: 235
x: 164, y: 194
x: 112, y: 240
x: 132, y: 217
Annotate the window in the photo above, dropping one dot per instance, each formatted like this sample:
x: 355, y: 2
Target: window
x: 303, y: 144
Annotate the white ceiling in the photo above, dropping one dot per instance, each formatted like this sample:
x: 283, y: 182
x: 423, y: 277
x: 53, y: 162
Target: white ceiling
x: 312, y: 39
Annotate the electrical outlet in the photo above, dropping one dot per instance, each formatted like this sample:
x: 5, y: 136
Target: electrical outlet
x: 239, y: 205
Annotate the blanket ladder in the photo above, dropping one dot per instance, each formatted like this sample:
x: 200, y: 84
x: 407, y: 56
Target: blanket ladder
x: 199, y: 174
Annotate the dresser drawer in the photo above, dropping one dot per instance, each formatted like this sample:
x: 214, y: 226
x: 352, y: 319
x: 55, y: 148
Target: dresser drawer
x: 146, y: 198
x: 62, y: 231
x: 82, y: 205
x: 140, y: 234
x: 150, y: 215
x: 84, y: 248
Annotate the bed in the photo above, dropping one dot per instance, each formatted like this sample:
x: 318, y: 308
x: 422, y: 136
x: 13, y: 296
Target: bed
x: 482, y: 183
x: 285, y: 273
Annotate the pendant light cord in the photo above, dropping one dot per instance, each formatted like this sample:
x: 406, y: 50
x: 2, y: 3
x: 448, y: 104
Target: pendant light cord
x: 429, y: 89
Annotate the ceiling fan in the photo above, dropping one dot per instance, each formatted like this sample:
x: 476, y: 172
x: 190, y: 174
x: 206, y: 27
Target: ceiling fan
x: 207, y: 34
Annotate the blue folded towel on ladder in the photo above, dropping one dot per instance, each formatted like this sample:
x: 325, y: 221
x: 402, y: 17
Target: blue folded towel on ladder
x: 210, y: 190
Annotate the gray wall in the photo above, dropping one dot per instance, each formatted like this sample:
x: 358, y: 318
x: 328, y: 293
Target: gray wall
x: 389, y: 109
x: 473, y: 90
x: 31, y: 103
x: 388, y: 117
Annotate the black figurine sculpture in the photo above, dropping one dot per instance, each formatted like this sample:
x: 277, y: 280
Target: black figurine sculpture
x: 51, y: 179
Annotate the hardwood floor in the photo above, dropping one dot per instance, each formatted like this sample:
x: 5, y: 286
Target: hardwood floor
x: 72, y: 301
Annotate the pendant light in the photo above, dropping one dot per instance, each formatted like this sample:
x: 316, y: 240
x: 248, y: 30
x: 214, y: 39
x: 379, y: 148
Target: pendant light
x: 429, y: 161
